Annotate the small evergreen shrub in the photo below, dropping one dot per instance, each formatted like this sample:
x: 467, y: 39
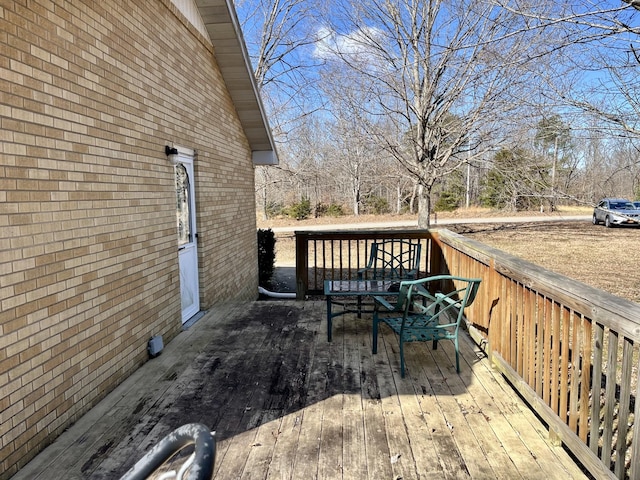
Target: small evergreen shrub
x: 335, y: 210
x: 376, y: 205
x: 300, y: 210
x: 447, y: 202
x: 331, y: 210
x: 266, y: 255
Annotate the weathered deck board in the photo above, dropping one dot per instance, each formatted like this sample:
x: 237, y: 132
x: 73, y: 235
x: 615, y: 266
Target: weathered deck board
x: 354, y: 453
x: 377, y: 447
x: 286, y: 404
x: 401, y: 457
x: 439, y: 371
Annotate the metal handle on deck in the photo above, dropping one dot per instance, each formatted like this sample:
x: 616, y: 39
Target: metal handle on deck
x: 192, y: 433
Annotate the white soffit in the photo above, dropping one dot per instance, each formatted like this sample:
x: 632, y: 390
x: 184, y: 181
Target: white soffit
x: 221, y: 22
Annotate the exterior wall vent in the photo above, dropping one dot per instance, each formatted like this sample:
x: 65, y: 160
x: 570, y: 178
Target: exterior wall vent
x: 155, y: 346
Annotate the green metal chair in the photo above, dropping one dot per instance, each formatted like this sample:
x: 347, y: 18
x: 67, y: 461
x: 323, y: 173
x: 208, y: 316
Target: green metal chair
x: 421, y: 316
x: 392, y: 259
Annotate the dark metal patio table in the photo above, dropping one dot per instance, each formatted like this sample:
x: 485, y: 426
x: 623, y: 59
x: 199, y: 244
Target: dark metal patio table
x: 338, y: 291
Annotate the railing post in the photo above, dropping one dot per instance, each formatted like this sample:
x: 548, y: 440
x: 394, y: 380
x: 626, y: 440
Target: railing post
x: 494, y: 325
x: 435, y: 255
x: 302, y: 265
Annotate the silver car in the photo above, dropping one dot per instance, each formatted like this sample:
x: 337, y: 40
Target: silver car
x: 616, y: 211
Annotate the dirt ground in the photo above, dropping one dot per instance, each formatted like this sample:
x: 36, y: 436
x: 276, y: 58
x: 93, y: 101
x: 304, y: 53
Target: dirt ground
x: 605, y: 258
x: 472, y: 212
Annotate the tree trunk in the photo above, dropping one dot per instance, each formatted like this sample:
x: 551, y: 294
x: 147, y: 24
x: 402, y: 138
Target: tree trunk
x: 424, y: 207
x: 356, y: 199
x: 412, y: 201
x: 265, y: 213
x: 264, y: 195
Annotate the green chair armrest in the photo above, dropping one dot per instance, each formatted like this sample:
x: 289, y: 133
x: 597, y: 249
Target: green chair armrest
x: 382, y: 301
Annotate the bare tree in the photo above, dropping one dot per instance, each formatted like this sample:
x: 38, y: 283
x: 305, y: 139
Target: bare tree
x: 354, y: 156
x: 599, y: 47
x: 554, y: 140
x: 440, y: 84
x: 280, y: 40
x: 600, y: 44
x: 443, y: 75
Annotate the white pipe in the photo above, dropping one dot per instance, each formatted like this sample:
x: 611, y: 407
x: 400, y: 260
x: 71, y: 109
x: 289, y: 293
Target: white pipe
x: 276, y: 294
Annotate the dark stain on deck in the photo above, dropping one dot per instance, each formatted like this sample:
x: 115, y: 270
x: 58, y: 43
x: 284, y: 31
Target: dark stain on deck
x: 285, y: 403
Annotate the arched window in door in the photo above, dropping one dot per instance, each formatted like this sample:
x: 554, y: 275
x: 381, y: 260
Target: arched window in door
x: 183, y: 206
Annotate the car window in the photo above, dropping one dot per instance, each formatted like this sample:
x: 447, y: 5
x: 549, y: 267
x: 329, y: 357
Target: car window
x: 621, y: 206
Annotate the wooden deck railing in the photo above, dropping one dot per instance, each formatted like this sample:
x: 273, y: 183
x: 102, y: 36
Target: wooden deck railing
x: 339, y: 255
x: 572, y: 351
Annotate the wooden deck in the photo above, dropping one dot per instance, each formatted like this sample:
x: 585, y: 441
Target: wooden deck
x: 286, y: 404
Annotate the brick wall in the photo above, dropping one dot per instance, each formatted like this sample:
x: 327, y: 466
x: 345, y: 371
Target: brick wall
x: 90, y: 93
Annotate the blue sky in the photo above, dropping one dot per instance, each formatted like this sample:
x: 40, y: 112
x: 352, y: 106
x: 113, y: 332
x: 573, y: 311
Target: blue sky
x: 311, y: 22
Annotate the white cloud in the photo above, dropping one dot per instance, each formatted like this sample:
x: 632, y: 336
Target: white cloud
x: 355, y: 44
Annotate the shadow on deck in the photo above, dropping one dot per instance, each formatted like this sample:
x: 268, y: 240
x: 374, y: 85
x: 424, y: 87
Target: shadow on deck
x: 285, y: 403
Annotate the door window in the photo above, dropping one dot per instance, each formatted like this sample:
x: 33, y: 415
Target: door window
x: 183, y: 210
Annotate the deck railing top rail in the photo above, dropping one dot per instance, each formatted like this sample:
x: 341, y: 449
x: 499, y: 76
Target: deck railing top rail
x: 602, y: 307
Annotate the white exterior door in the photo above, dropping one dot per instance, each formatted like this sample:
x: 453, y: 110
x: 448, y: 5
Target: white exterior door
x: 187, y: 235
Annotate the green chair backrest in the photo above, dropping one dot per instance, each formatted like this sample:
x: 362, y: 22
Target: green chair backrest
x: 394, y: 259
x: 416, y: 295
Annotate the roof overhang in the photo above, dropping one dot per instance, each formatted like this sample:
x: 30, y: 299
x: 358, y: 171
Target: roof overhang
x: 221, y: 22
